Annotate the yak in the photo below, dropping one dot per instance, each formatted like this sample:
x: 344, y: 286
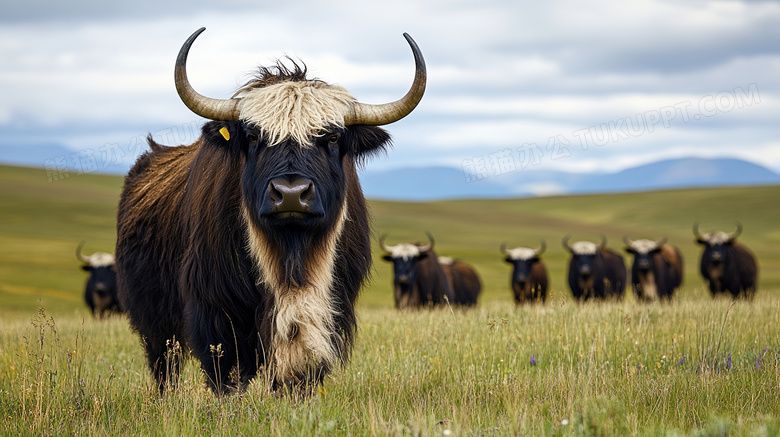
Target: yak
x: 595, y: 272
x: 727, y: 265
x: 249, y: 247
x: 529, y: 278
x: 464, y: 281
x: 100, y: 293
x: 418, y: 278
x: 657, y: 270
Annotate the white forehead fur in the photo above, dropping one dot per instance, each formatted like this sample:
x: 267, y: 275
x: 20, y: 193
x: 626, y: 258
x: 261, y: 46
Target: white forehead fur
x: 298, y: 111
x: 521, y: 253
x: 716, y: 237
x: 584, y: 248
x: 101, y: 259
x: 643, y: 246
x: 404, y: 251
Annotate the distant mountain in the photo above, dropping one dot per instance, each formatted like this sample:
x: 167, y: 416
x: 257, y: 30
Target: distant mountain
x: 434, y: 183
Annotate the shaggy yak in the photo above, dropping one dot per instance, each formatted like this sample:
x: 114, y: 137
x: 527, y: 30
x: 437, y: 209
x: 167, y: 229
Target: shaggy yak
x: 249, y: 246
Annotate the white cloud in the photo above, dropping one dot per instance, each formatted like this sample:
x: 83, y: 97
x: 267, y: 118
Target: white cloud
x: 501, y: 73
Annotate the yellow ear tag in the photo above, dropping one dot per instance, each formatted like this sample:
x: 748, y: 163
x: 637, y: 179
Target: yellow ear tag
x: 225, y: 133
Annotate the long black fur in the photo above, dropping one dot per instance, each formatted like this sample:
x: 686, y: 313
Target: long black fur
x: 739, y: 276
x: 608, y: 275
x: 184, y: 267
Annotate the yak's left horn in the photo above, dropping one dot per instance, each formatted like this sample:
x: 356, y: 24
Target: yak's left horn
x: 377, y: 115
x: 382, y: 244
x: 213, y: 109
x: 80, y: 255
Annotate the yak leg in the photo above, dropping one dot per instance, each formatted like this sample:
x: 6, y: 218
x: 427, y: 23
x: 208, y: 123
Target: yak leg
x: 227, y: 353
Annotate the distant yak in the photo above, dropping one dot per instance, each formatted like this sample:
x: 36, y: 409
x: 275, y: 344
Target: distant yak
x: 463, y: 279
x: 529, y: 275
x: 418, y: 278
x: 657, y: 270
x: 100, y: 291
x: 595, y: 272
x: 727, y: 266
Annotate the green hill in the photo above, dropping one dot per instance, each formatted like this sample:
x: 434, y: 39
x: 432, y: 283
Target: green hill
x: 41, y: 223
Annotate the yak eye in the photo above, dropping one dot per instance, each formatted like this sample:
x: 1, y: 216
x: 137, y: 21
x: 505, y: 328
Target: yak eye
x: 333, y: 139
x: 252, y: 137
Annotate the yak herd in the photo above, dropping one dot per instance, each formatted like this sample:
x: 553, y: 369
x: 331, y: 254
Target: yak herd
x: 420, y: 278
x: 251, y: 244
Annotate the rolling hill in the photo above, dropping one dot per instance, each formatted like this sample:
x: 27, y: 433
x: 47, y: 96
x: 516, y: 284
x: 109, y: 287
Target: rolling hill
x: 42, y: 222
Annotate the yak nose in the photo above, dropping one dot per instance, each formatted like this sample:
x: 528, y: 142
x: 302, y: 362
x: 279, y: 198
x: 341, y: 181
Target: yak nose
x: 403, y: 279
x: 644, y: 265
x: 291, y: 194
x: 585, y: 272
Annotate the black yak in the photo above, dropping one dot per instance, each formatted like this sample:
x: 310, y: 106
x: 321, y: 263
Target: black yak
x: 727, y: 266
x: 418, y: 278
x: 249, y: 246
x: 595, y: 271
x: 657, y: 270
x: 529, y: 274
x: 100, y: 293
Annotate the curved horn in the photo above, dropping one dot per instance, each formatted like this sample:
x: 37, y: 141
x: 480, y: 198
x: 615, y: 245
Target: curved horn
x: 503, y: 249
x: 661, y: 242
x: 429, y: 246
x: 627, y: 241
x: 213, y: 109
x: 377, y: 115
x: 79, y: 255
x: 603, y: 242
x: 384, y: 247
x: 565, y: 242
x: 696, y: 231
x: 541, y: 248
x: 736, y: 233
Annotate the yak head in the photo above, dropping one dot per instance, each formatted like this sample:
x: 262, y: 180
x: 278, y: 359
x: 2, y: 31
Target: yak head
x: 643, y: 251
x: 583, y: 259
x: 101, y: 293
x: 715, y: 244
x: 301, y: 140
x: 405, y: 258
x: 522, y: 260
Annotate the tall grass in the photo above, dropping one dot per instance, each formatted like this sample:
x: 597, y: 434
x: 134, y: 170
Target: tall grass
x: 559, y: 369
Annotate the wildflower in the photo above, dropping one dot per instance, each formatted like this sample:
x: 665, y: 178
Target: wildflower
x: 682, y: 360
x: 565, y: 422
x: 728, y: 362
x: 533, y: 360
x: 758, y: 362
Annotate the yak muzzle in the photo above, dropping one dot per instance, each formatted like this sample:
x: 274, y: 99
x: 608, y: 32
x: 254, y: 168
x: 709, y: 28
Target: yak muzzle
x: 291, y: 196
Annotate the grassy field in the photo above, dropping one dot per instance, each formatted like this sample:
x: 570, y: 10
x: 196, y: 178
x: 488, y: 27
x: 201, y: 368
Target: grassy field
x: 696, y: 366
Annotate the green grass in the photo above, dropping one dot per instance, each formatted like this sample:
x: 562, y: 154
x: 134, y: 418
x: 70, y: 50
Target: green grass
x: 602, y: 369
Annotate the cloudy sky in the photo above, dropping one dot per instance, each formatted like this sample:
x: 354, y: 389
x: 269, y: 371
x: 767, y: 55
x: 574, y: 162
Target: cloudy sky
x: 562, y: 85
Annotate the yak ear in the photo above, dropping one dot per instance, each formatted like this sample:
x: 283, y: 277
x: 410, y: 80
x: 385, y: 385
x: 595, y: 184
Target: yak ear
x: 229, y: 135
x: 86, y: 268
x: 363, y: 142
x: 630, y: 250
x: 388, y: 258
x: 423, y: 255
x: 700, y: 241
x: 509, y: 260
